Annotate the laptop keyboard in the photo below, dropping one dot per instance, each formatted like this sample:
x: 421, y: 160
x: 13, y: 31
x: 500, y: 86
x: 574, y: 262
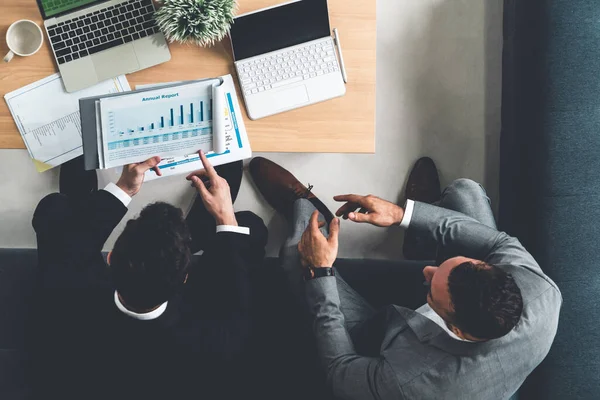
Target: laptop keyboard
x: 287, y: 67
x: 103, y: 29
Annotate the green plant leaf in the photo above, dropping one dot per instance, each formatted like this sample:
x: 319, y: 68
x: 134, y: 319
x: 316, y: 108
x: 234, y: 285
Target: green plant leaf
x: 202, y: 22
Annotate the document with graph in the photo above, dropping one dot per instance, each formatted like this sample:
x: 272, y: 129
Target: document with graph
x: 167, y: 122
x: 48, y: 118
x: 235, y: 143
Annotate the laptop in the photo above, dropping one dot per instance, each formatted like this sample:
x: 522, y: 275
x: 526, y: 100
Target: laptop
x: 285, y: 57
x: 95, y: 40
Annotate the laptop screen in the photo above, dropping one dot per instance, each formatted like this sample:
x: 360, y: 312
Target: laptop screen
x: 279, y: 27
x: 51, y: 8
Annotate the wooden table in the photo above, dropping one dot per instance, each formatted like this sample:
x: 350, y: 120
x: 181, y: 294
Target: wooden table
x: 343, y: 125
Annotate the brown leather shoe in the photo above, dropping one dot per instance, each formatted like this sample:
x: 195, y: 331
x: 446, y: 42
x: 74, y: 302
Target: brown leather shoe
x: 281, y: 189
x: 424, y: 186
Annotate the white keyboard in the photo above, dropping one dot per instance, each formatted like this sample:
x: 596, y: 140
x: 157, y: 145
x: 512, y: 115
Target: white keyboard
x: 286, y: 67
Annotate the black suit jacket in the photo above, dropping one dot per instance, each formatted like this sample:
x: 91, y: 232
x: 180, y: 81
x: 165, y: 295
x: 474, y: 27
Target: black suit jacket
x: 87, y: 348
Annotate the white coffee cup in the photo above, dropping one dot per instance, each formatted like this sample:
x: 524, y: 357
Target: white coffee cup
x: 24, y: 38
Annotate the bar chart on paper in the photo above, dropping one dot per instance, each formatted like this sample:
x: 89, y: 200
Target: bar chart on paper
x: 159, y: 122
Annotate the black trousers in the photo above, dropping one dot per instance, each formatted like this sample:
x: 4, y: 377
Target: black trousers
x: 69, y: 252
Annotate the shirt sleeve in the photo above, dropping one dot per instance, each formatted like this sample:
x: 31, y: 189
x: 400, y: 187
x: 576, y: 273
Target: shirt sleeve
x: 235, y: 229
x: 118, y: 193
x: 408, y: 212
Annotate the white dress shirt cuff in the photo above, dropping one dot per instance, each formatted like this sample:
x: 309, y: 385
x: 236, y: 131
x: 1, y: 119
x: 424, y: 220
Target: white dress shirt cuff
x: 237, y: 229
x: 142, y: 317
x: 408, y: 212
x: 118, y: 193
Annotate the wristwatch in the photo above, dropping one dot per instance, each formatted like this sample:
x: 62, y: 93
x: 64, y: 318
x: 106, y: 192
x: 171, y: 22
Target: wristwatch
x: 311, y: 273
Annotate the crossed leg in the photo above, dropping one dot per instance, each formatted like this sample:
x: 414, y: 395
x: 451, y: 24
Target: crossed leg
x: 355, y: 308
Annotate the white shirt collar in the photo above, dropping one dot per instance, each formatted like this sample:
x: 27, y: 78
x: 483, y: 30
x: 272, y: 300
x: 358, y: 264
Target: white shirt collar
x: 142, y: 317
x: 429, y: 313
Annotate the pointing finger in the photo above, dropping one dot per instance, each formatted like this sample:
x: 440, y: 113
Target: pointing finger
x: 210, y: 170
x: 354, y: 198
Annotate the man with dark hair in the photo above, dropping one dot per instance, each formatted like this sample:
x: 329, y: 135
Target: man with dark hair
x: 486, y: 300
x: 485, y: 318
x: 151, y: 322
x: 150, y: 259
x: 477, y: 300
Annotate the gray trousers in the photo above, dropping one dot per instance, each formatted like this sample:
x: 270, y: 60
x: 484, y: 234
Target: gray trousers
x: 463, y: 195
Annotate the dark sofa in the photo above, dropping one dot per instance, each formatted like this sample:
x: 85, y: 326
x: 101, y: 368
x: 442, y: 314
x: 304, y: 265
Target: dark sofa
x: 550, y: 163
x: 283, y: 343
x: 17, y: 276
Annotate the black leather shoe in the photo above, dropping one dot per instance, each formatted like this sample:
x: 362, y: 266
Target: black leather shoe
x: 281, y: 189
x: 424, y: 186
x: 232, y: 173
x: 424, y: 182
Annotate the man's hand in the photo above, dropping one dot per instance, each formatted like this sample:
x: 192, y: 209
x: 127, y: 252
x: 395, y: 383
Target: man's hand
x: 132, y: 177
x: 215, y: 192
x: 373, y: 210
x: 315, y: 250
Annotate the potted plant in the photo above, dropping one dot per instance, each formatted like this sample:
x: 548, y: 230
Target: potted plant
x: 202, y: 22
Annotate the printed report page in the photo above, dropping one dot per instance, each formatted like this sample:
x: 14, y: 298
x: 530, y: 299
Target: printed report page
x: 165, y: 122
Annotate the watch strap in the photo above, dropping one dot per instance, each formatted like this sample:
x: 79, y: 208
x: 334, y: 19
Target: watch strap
x: 314, y: 273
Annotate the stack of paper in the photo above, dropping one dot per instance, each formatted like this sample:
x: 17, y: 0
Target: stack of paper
x: 48, y: 118
x: 172, y: 121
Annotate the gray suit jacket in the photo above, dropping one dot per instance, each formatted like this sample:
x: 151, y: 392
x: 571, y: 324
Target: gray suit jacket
x: 418, y: 359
